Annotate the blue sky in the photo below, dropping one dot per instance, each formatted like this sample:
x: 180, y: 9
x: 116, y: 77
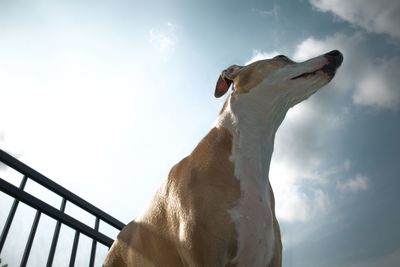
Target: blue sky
x: 105, y: 96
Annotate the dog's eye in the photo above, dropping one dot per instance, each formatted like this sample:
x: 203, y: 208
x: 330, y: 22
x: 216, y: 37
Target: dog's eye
x: 283, y: 57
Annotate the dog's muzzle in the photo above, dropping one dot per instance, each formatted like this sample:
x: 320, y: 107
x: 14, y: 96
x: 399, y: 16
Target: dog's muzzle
x: 335, y: 59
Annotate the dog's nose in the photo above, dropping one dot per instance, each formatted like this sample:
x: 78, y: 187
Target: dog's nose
x: 335, y: 57
x: 334, y: 53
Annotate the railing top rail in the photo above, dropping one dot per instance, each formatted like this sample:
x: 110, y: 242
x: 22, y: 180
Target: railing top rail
x: 49, y: 184
x: 53, y: 212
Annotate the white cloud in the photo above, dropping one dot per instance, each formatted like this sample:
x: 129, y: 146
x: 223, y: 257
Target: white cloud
x: 310, y: 48
x: 380, y: 85
x: 301, y: 136
x: 274, y: 11
x: 358, y: 183
x: 259, y: 55
x: 321, y: 199
x: 163, y: 40
x: 292, y: 204
x: 298, y: 164
x: 374, y: 16
x: 300, y: 191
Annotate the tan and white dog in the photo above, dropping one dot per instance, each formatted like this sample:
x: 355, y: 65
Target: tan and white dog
x: 217, y: 207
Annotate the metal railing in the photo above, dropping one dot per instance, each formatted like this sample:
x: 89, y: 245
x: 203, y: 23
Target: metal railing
x: 19, y: 194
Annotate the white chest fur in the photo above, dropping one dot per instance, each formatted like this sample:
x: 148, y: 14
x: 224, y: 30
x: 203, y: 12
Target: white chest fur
x: 251, y: 154
x: 253, y: 216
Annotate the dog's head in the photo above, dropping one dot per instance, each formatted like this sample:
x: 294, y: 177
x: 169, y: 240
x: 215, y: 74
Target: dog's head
x: 278, y: 81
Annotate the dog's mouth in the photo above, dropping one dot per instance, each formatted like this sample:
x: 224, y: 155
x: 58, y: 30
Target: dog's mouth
x: 335, y: 59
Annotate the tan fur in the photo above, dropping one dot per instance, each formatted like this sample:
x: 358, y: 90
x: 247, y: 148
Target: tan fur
x: 251, y: 75
x: 197, y: 195
x: 201, y: 187
x: 277, y: 258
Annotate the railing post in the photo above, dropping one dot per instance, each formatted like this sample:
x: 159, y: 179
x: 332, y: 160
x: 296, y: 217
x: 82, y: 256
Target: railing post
x: 94, y: 244
x: 74, y: 249
x: 30, y: 239
x: 11, y: 214
x: 55, y: 237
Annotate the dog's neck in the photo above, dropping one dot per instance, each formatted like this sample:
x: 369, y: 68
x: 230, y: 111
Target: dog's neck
x: 253, y: 129
x: 253, y: 125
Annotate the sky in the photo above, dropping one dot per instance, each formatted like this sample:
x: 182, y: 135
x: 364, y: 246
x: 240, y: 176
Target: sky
x: 104, y: 97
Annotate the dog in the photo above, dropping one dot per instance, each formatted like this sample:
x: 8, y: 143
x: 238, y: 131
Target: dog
x: 217, y: 207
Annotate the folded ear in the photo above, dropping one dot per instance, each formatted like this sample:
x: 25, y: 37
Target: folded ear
x: 225, y: 80
x: 222, y: 86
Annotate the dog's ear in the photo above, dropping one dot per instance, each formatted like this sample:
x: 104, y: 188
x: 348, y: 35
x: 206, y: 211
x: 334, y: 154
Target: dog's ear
x: 222, y: 86
x: 225, y: 80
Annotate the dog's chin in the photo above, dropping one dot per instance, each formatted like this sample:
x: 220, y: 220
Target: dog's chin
x: 330, y: 69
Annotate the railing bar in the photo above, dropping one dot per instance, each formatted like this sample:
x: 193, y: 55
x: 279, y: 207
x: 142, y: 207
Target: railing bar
x: 94, y: 244
x: 11, y: 215
x: 74, y: 249
x: 30, y: 239
x: 53, y: 212
x: 51, y: 185
x: 55, y: 237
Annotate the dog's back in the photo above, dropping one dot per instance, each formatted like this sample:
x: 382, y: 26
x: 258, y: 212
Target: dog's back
x: 187, y: 223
